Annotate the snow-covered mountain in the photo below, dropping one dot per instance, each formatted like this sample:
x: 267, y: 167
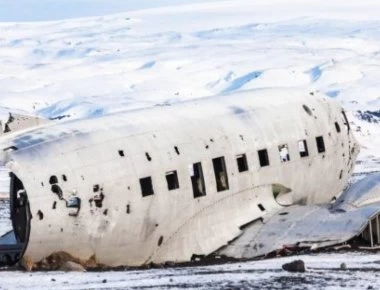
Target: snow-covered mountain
x: 92, y: 66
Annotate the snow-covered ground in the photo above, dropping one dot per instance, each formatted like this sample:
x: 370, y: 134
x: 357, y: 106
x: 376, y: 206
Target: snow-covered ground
x: 93, y: 66
x: 323, y: 272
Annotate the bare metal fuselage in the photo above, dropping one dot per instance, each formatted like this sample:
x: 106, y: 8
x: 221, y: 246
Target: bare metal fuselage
x: 99, y: 187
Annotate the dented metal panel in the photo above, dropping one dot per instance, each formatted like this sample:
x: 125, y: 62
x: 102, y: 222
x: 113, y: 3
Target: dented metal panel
x: 312, y: 226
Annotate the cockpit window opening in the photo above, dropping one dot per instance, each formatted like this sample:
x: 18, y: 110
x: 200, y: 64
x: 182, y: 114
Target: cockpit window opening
x: 242, y: 163
x: 146, y: 186
x: 263, y: 157
x: 197, y: 180
x: 337, y: 127
x: 302, y: 148
x: 345, y: 121
x: 221, y: 175
x: 307, y: 110
x: 261, y: 207
x: 284, y: 153
x: 320, y: 144
x: 172, y: 180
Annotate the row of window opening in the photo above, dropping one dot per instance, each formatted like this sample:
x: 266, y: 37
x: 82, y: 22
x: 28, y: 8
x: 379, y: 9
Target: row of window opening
x: 220, y: 169
x: 284, y: 151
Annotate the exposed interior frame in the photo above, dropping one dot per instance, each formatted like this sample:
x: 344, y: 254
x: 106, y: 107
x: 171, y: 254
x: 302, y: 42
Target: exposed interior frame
x: 13, y: 244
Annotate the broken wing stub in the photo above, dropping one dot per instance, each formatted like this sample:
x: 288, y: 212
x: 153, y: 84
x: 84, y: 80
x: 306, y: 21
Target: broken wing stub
x: 16, y: 122
x: 353, y: 218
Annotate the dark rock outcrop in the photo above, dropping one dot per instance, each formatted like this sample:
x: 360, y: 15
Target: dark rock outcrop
x: 297, y: 266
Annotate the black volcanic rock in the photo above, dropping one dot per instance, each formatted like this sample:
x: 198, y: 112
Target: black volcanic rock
x: 297, y: 266
x: 369, y: 116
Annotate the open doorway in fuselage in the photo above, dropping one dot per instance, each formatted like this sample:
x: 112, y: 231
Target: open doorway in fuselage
x: 13, y: 243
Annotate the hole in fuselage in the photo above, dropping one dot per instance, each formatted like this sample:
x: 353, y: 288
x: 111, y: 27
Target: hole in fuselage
x: 53, y: 179
x: 307, y: 110
x: 57, y: 190
x: 40, y: 215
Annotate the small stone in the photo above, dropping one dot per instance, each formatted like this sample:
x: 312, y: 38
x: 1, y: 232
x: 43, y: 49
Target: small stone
x: 295, y: 266
x: 71, y: 267
x: 343, y: 266
x: 104, y: 281
x: 52, y: 279
x: 370, y: 287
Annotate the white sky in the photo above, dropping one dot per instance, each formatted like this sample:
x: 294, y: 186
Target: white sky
x: 40, y: 10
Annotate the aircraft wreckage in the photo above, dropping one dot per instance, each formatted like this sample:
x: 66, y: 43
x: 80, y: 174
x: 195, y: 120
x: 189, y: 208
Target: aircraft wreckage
x: 241, y: 176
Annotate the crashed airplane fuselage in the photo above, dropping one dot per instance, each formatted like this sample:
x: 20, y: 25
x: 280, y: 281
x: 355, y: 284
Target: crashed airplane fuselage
x: 170, y: 182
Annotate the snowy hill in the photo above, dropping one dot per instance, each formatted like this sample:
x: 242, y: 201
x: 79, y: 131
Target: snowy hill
x: 92, y: 66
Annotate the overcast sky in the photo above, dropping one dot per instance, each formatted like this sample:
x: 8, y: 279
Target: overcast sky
x: 38, y: 10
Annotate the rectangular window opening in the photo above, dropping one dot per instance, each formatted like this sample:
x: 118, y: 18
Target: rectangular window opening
x: 263, y: 157
x: 172, y: 180
x: 320, y: 144
x: 221, y: 176
x: 146, y: 186
x: 284, y: 153
x: 242, y: 162
x: 302, y: 148
x: 197, y: 180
